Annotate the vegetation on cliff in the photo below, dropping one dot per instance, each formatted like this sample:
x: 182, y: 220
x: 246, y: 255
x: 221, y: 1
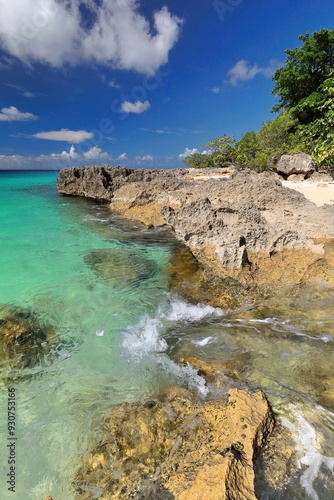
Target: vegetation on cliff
x: 305, y: 88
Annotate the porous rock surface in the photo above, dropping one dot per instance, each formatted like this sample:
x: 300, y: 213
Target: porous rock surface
x: 244, y: 228
x: 299, y: 163
x: 178, y: 448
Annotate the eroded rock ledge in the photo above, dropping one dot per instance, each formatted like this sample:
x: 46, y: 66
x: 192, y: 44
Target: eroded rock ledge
x: 251, y: 236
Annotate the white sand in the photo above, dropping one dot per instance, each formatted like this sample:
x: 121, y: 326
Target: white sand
x: 318, y: 192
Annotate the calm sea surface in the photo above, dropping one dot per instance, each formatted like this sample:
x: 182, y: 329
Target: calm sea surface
x: 98, y: 283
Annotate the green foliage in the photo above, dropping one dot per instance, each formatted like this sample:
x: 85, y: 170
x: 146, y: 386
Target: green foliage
x: 318, y: 136
x: 222, y: 150
x: 305, y: 70
x: 198, y: 160
x: 218, y: 154
x: 275, y: 137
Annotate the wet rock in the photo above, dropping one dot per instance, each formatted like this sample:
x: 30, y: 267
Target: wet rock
x: 120, y: 266
x: 299, y: 163
x: 24, y: 341
x: 211, y: 372
x: 219, y: 372
x: 178, y: 448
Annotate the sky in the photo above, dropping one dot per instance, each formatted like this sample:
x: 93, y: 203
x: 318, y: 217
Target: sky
x: 139, y: 83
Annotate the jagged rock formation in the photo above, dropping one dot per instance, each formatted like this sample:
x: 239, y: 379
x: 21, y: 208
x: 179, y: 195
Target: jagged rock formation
x: 176, y: 447
x: 248, y: 233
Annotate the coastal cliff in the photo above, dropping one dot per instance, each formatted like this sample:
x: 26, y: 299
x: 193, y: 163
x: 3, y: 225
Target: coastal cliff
x: 251, y: 236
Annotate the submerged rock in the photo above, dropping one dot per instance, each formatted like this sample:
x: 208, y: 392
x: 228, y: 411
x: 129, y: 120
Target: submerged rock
x: 120, y: 266
x: 177, y: 447
x: 24, y: 341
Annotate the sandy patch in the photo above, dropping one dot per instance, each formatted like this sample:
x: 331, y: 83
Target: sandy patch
x: 320, y: 193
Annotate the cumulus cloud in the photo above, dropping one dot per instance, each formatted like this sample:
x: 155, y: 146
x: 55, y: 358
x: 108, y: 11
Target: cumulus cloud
x: 95, y: 152
x: 118, y: 34
x: 243, y: 71
x: 134, y: 107
x: 72, y: 154
x: 188, y: 152
x: 72, y: 136
x: 12, y: 114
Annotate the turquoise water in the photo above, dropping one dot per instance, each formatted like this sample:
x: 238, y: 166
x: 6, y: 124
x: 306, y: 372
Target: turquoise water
x: 117, y: 334
x: 46, y: 241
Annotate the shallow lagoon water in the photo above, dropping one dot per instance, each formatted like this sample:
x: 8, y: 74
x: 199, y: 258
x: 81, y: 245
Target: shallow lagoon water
x: 118, y: 340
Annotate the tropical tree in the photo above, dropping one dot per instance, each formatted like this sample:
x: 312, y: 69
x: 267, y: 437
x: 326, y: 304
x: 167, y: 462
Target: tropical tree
x: 306, y: 68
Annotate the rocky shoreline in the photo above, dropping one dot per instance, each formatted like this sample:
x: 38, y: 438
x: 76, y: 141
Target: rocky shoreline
x: 252, y: 238
x: 245, y: 239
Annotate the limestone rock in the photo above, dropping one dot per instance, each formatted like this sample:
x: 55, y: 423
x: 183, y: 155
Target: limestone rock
x: 320, y: 177
x: 248, y: 233
x: 299, y: 163
x: 176, y: 447
x: 296, y: 177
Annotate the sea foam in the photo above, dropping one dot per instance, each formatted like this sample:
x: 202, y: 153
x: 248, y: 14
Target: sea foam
x: 144, y: 341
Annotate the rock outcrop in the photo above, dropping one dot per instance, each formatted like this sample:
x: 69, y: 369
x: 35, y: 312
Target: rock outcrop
x: 299, y: 163
x: 178, y: 448
x: 249, y: 234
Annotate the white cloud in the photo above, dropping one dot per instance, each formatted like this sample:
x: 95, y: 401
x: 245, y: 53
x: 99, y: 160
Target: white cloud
x: 12, y: 114
x: 94, y: 153
x: 72, y: 136
x: 119, y: 35
x: 135, y: 107
x: 122, y: 157
x: 188, y: 152
x: 66, y: 155
x: 56, y: 161
x: 144, y: 158
x: 114, y: 85
x: 243, y: 71
x: 156, y: 131
x: 216, y: 90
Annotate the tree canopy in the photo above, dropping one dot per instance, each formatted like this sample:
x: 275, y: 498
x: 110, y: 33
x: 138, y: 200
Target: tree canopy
x: 305, y: 69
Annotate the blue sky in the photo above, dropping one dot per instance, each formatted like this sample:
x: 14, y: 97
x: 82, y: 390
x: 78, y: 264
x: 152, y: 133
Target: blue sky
x: 139, y: 83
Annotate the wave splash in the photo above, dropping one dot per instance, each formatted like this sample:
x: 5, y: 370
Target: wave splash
x: 145, y: 343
